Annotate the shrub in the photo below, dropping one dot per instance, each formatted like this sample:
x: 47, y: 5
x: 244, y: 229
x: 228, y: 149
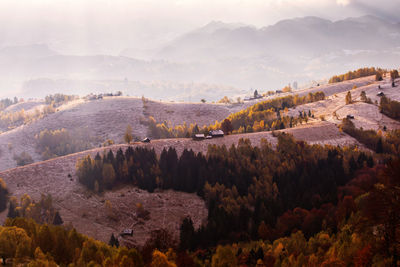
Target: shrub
x: 23, y: 159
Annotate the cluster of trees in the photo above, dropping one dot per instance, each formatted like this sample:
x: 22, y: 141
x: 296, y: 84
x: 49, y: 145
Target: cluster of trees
x: 266, y: 115
x: 26, y: 241
x: 58, y: 99
x: 225, y: 100
x: 359, y: 229
x: 366, y: 220
x: 287, y: 89
x: 390, y: 108
x: 244, y: 185
x: 41, y: 212
x: 6, y: 102
x: 14, y: 119
x: 23, y: 159
x: 387, y: 144
x: 364, y: 98
x: 270, y: 111
x: 305, y: 205
x: 362, y: 72
x: 394, y: 74
x: 61, y: 142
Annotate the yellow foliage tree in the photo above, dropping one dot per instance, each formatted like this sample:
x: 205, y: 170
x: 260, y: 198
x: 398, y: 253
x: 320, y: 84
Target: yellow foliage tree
x: 161, y: 260
x: 224, y: 257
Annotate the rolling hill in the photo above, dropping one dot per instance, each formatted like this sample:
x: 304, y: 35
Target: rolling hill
x: 108, y: 118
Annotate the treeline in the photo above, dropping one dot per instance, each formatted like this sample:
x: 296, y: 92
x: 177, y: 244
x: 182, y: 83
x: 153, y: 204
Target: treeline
x: 6, y: 102
x: 263, y: 116
x: 244, y: 187
x: 41, y: 212
x: 58, y: 99
x: 362, y: 72
x: 61, y: 142
x: 388, y: 144
x: 17, y: 118
x: 390, y: 108
x: 270, y: 110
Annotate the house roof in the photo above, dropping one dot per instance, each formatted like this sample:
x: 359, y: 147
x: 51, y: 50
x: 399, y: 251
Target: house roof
x: 216, y: 132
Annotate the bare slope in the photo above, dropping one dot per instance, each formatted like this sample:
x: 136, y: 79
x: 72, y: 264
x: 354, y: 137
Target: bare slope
x: 102, y: 119
x: 367, y: 116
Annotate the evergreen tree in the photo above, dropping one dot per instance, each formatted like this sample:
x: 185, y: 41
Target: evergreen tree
x: 3, y: 195
x: 113, y: 241
x: 187, y: 232
x: 379, y: 146
x: 12, y: 213
x: 57, y: 219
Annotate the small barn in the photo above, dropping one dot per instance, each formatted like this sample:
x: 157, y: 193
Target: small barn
x: 127, y: 232
x: 217, y: 133
x: 199, y: 137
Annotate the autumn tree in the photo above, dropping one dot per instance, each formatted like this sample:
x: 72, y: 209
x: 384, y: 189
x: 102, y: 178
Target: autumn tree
x: 348, y: 98
x: 128, y: 137
x: 382, y: 209
x: 394, y: 74
x: 224, y: 257
x: 363, y: 96
x: 10, y: 239
x: 226, y: 126
x: 161, y: 260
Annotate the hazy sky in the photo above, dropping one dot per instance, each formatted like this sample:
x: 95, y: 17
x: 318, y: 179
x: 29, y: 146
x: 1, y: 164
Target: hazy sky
x: 109, y: 26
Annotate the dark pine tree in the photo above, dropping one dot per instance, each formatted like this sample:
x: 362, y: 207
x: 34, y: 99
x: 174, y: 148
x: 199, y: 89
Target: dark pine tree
x: 57, y: 219
x: 113, y: 241
x: 12, y: 213
x: 379, y: 146
x: 187, y: 234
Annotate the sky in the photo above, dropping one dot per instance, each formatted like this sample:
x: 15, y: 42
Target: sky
x: 110, y: 26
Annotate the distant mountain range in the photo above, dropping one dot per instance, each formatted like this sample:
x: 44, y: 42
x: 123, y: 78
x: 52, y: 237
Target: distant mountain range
x: 308, y: 36
x: 236, y: 55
